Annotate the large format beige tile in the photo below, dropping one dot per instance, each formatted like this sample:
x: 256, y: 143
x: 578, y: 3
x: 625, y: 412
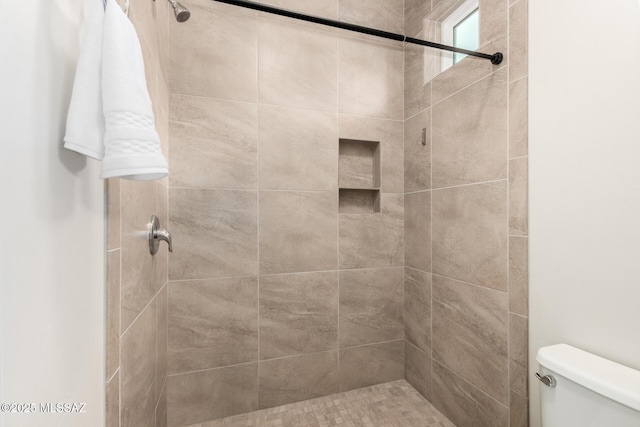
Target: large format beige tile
x: 494, y: 17
x: 138, y: 371
x: 417, y: 157
x: 384, y: 15
x: 213, y: 143
x: 518, y: 197
x: 298, y: 231
x: 322, y: 8
x: 112, y: 194
x: 150, y: 57
x: 519, y: 410
x: 467, y: 71
x: 518, y: 40
x: 138, y: 275
x: 161, y: 409
x: 162, y: 256
x: 113, y: 313
x: 417, y: 81
x: 518, y: 350
x: 518, y: 118
x: 463, y: 404
x: 470, y: 134
x: 374, y: 240
x: 162, y: 118
x: 303, y: 377
x: 370, y: 79
x: 470, y: 234
x: 161, y: 340
x: 112, y: 402
x: 371, y: 364
x: 470, y: 334
x: 143, y: 16
x: 298, y: 314
x: 212, y: 323
x: 214, y: 232
x: 371, y: 306
x: 519, y: 275
x: 417, y: 309
x: 415, y: 11
x: 298, y: 149
x: 388, y: 133
x: 164, y: 12
x: 297, y: 64
x: 207, y: 395
x: 417, y: 230
x: 417, y: 369
x: 207, y: 58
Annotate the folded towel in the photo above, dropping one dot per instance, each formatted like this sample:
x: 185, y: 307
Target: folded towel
x: 85, y: 120
x: 131, y: 145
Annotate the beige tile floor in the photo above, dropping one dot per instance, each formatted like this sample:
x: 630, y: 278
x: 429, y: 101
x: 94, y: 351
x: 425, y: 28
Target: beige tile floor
x: 393, y: 404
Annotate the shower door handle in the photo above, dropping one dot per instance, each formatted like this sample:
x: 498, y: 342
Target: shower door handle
x: 157, y: 234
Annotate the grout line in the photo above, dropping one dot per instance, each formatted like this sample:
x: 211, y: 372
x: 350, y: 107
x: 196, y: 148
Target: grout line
x: 471, y: 284
x: 120, y: 333
x: 431, y: 233
x: 417, y: 348
x: 519, y: 78
x: 471, y: 184
x: 141, y: 311
x: 288, y: 107
x: 336, y: 349
x: 508, y: 205
x: 213, y: 369
x: 259, y: 108
x: 469, y: 383
x: 337, y: 142
x: 497, y: 70
x: 518, y: 314
x: 113, y: 375
x: 178, y: 281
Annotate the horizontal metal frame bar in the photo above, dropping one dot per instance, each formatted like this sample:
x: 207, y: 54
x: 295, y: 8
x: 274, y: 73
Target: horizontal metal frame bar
x: 495, y: 59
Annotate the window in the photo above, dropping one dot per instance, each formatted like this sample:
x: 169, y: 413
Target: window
x: 461, y: 29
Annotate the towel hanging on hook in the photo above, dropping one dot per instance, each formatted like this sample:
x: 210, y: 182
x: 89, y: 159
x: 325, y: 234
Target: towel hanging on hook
x: 110, y: 115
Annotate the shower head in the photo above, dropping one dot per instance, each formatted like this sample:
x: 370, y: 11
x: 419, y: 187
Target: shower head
x: 181, y: 12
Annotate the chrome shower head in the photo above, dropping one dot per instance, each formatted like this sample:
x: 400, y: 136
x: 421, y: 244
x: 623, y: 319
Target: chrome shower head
x: 181, y: 12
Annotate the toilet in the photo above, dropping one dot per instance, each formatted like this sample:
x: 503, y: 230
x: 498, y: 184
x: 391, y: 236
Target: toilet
x: 579, y: 389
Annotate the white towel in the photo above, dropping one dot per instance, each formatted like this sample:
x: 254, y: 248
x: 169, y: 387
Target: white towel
x: 85, y: 120
x: 130, y: 144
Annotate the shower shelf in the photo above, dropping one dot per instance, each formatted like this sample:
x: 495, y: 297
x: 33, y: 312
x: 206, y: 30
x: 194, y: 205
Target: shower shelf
x: 359, y: 200
x: 359, y: 176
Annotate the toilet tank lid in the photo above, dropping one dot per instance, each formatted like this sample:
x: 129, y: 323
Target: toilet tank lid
x: 610, y: 379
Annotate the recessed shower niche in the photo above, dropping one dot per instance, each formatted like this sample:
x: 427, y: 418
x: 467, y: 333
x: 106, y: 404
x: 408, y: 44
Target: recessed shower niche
x: 359, y: 176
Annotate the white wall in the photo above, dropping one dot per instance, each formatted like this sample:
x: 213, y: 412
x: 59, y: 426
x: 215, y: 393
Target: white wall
x: 584, y: 179
x: 51, y: 224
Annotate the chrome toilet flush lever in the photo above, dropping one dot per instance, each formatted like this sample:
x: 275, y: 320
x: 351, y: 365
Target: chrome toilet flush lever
x: 547, y: 380
x: 156, y: 234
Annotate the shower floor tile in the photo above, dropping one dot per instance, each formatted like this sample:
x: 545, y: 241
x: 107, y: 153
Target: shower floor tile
x: 393, y: 404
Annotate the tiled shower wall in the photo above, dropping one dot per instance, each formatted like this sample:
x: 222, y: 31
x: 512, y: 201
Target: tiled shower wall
x: 136, y: 281
x: 274, y: 296
x: 466, y: 229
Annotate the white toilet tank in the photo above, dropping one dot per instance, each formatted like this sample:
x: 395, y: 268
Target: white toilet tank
x: 589, y: 391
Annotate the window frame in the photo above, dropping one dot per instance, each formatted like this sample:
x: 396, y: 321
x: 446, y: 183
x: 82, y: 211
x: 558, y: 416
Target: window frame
x: 449, y: 23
